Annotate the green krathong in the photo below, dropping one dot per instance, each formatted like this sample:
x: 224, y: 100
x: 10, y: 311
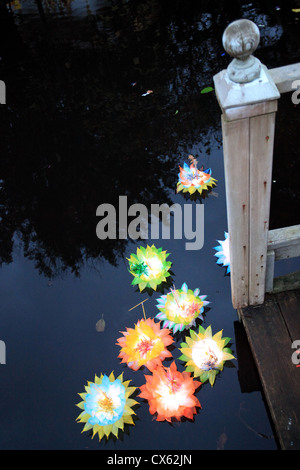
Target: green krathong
x: 149, y: 266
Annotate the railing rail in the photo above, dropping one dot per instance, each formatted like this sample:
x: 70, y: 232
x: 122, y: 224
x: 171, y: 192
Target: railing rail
x: 283, y: 243
x: 285, y: 77
x: 248, y: 93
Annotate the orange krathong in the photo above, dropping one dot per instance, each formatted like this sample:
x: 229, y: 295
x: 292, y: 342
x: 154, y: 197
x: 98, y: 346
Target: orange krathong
x: 170, y: 393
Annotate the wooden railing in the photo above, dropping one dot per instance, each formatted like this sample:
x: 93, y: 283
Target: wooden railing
x: 283, y: 243
x: 248, y: 93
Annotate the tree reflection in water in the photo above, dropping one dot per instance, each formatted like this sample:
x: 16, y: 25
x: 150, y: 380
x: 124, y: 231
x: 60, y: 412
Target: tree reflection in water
x: 77, y: 131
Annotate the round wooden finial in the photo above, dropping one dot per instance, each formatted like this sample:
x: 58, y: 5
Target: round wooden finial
x: 240, y: 40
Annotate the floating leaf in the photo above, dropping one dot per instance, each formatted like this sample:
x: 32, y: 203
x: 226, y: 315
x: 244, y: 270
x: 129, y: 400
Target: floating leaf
x: 100, y: 325
x: 206, y: 90
x: 222, y: 441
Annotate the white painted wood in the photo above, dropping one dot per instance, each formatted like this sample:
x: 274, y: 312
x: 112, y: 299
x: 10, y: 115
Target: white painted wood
x: 242, y: 112
x: 286, y: 252
x: 282, y: 237
x: 240, y: 40
x: 231, y: 94
x: 270, y: 270
x: 248, y: 123
x: 236, y: 164
x: 261, y: 158
x: 283, y: 243
x: 284, y: 77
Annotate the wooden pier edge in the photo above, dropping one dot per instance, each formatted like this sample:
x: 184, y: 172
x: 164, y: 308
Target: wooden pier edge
x: 271, y: 329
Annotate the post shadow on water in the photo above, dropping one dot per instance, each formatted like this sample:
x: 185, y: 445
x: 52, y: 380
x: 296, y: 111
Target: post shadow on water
x: 76, y: 133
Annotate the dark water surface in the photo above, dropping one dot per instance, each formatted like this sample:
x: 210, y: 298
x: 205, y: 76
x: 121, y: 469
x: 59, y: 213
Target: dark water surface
x: 76, y: 132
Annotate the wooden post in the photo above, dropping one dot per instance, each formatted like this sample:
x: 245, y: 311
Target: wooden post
x: 248, y: 99
x: 270, y: 268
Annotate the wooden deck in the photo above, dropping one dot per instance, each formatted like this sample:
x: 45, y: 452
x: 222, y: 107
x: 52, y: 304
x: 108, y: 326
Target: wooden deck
x: 271, y: 329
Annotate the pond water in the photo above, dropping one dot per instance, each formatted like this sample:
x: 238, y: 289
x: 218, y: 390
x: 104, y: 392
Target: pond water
x: 77, y: 132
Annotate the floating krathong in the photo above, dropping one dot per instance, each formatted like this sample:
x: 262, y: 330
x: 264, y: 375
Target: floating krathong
x: 195, y: 182
x: 223, y: 254
x: 170, y: 393
x: 106, y: 405
x: 145, y: 345
x: 149, y: 266
x: 180, y: 308
x: 205, y: 354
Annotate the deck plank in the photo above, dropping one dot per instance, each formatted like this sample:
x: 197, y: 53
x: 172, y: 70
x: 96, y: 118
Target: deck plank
x: 289, y: 303
x: 270, y: 342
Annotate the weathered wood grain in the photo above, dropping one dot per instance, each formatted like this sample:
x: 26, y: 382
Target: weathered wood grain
x: 285, y: 76
x: 236, y: 164
x: 270, y: 342
x: 261, y: 159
